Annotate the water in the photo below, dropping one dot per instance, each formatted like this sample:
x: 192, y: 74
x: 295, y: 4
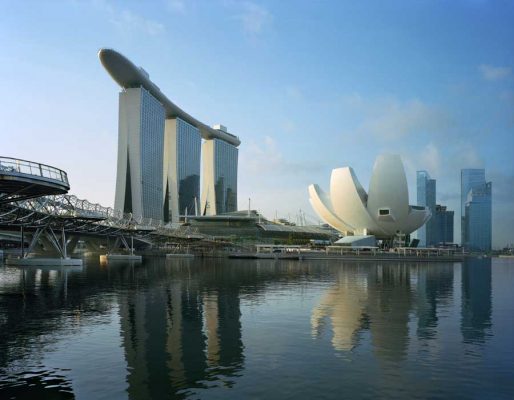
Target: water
x: 245, y: 329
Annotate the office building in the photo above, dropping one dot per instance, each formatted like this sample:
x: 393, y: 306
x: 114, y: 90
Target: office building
x: 477, y: 220
x: 443, y: 225
x: 426, y: 194
x: 438, y: 229
x: 476, y: 210
x: 159, y: 152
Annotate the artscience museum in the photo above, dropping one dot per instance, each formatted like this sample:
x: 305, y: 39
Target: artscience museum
x: 383, y: 212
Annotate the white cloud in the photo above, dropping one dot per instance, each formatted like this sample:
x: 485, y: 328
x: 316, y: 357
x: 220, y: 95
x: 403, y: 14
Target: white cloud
x: 127, y: 20
x: 265, y: 160
x: 464, y: 155
x: 392, y: 119
x: 294, y: 93
x: 178, y: 6
x: 288, y: 126
x: 427, y: 159
x: 431, y: 159
x: 261, y: 158
x: 253, y: 17
x: 275, y: 184
x: 353, y: 100
x: 492, y: 73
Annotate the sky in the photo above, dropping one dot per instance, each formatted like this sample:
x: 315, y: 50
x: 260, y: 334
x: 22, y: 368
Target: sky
x: 308, y: 86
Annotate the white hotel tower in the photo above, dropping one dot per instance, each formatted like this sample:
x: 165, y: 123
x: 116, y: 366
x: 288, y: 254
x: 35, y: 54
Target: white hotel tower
x: 159, y: 152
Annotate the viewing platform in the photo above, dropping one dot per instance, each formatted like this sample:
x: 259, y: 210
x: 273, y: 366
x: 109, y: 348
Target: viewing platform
x: 22, y: 180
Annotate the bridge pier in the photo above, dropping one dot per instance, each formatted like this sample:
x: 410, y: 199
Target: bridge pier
x: 121, y: 240
x: 45, y: 234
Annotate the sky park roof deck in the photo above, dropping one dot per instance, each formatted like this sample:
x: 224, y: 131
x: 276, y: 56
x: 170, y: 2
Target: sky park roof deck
x: 128, y: 75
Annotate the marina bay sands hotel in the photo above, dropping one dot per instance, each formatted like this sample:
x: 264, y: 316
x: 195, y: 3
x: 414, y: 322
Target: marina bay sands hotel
x: 160, y: 152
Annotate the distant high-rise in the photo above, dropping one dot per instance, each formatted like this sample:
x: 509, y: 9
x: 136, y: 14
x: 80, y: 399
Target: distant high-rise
x: 426, y: 197
x: 476, y: 210
x: 443, y: 219
x: 140, y: 156
x: 439, y: 228
x: 469, y: 178
x: 219, y: 172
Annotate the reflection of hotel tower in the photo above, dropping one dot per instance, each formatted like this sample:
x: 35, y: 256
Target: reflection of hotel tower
x: 379, y: 301
x: 159, y: 152
x: 177, y: 337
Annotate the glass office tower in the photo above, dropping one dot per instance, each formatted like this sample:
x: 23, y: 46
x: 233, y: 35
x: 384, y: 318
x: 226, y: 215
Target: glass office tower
x: 426, y: 188
x: 477, y: 218
x: 476, y: 210
x: 469, y: 178
x: 443, y: 225
x: 182, y: 152
x: 140, y: 157
x: 219, y: 191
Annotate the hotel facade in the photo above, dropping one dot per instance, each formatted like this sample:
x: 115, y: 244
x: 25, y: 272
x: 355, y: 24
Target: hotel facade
x: 160, y: 152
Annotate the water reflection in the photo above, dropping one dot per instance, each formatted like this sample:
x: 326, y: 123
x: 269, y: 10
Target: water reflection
x: 28, y: 297
x: 383, y: 299
x: 344, y: 305
x: 374, y: 298
x: 434, y: 289
x: 389, y: 306
x: 183, y: 333
x: 181, y: 324
x: 476, y: 300
x: 37, y: 384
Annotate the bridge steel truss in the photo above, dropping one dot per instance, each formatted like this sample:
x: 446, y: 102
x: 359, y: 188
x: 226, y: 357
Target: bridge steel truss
x: 50, y: 219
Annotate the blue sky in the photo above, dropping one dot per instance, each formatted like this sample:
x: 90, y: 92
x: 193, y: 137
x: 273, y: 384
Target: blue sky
x: 308, y: 86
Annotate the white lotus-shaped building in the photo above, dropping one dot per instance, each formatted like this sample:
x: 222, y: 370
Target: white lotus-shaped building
x: 383, y: 212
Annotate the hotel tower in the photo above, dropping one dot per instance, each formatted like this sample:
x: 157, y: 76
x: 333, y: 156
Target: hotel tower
x: 160, y: 152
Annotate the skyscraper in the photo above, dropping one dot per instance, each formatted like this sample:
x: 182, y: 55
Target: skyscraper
x: 159, y: 152
x: 443, y: 219
x: 469, y: 178
x: 475, y: 200
x: 426, y: 188
x: 439, y: 228
x: 182, y: 169
x: 219, y: 172
x: 140, y: 157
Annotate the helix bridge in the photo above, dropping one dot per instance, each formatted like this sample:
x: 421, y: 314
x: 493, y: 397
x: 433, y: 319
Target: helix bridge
x: 34, y: 202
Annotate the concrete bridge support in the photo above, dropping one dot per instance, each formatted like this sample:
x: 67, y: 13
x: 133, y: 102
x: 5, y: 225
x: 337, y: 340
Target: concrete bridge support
x: 50, y: 239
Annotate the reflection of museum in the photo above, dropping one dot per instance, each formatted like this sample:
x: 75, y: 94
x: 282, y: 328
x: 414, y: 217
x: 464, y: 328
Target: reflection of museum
x: 383, y: 299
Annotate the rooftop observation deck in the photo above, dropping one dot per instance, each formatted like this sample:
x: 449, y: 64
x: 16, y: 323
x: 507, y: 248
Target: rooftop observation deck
x: 22, y: 179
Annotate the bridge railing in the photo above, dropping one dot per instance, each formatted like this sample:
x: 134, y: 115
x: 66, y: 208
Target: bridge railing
x: 14, y: 165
